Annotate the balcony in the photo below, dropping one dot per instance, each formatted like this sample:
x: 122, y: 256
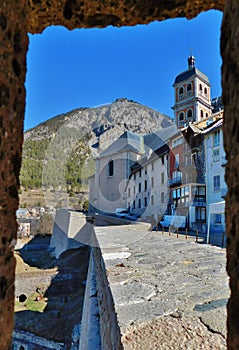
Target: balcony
x: 176, y: 180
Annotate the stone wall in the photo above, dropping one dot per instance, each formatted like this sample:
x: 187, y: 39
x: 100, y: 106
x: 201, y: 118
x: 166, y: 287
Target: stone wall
x: 18, y: 18
x: 109, y: 329
x: 66, y: 230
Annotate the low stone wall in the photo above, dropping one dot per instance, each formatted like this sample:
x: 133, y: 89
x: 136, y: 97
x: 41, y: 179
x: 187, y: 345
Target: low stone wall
x: 99, y: 328
x: 66, y: 228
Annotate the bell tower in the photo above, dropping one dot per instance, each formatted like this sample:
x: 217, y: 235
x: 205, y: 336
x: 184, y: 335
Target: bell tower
x: 192, y: 96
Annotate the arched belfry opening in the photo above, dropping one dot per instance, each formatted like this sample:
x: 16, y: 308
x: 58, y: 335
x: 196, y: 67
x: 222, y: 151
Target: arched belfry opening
x: 18, y: 19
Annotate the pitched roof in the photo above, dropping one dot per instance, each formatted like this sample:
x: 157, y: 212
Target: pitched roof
x: 158, y: 138
x: 213, y: 126
x: 189, y: 73
x: 127, y: 141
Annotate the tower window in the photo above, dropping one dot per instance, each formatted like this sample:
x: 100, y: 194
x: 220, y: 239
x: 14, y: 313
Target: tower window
x: 206, y: 115
x: 205, y: 91
x: 200, y: 87
x: 181, y: 91
x: 189, y: 87
x: 189, y: 114
x: 181, y: 116
x: 111, y: 168
x: 201, y: 113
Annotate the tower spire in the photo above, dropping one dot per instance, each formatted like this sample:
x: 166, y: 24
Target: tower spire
x: 191, y: 60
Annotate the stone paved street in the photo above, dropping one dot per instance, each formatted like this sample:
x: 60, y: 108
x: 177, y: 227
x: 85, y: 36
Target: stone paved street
x: 169, y: 292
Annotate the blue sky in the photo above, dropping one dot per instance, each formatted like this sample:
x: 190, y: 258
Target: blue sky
x: 90, y: 67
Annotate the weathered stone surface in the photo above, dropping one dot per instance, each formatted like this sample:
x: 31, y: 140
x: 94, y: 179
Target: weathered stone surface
x: 13, y: 48
x: 230, y: 82
x: 18, y: 18
x: 165, y: 283
x: 92, y: 13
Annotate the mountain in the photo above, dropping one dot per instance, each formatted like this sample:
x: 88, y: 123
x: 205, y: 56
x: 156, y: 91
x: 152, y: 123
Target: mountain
x: 55, y: 151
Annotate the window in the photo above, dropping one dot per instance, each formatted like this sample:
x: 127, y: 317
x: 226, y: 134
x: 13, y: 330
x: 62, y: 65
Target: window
x: 139, y: 203
x: 200, y: 214
x: 206, y: 115
x: 205, y: 91
x: 111, y: 168
x: 216, y: 155
x: 140, y: 173
x: 200, y: 194
x: 152, y: 182
x: 189, y: 87
x: 181, y: 195
x: 177, y: 142
x: 216, y: 138
x: 201, y: 112
x: 176, y: 164
x: 152, y: 199
x: 216, y: 183
x: 200, y: 87
x: 181, y: 116
x: 145, y: 201
x: 145, y: 185
x: 217, y: 218
x: 189, y: 114
x: 134, y: 176
x: 128, y: 192
x: 133, y: 204
x: 162, y: 160
x: 145, y: 171
x: 181, y: 91
x: 139, y: 187
x: 162, y: 178
x: 134, y: 189
x: 162, y: 197
x: 152, y: 166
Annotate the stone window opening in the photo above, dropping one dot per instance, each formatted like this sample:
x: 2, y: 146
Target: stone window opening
x: 67, y: 17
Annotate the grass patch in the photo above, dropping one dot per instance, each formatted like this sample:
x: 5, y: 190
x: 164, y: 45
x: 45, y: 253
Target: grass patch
x: 31, y: 304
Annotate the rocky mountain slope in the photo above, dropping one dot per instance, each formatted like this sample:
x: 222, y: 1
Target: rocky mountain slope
x: 122, y: 113
x: 66, y: 141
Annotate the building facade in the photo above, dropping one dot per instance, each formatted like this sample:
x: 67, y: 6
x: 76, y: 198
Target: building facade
x: 175, y: 171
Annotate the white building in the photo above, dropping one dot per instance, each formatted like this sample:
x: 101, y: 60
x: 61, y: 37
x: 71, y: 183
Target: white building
x: 215, y: 177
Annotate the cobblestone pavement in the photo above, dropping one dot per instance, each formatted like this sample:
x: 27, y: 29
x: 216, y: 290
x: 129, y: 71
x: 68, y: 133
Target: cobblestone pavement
x: 169, y: 293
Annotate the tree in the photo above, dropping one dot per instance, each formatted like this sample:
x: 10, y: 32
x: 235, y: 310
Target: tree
x: 45, y: 224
